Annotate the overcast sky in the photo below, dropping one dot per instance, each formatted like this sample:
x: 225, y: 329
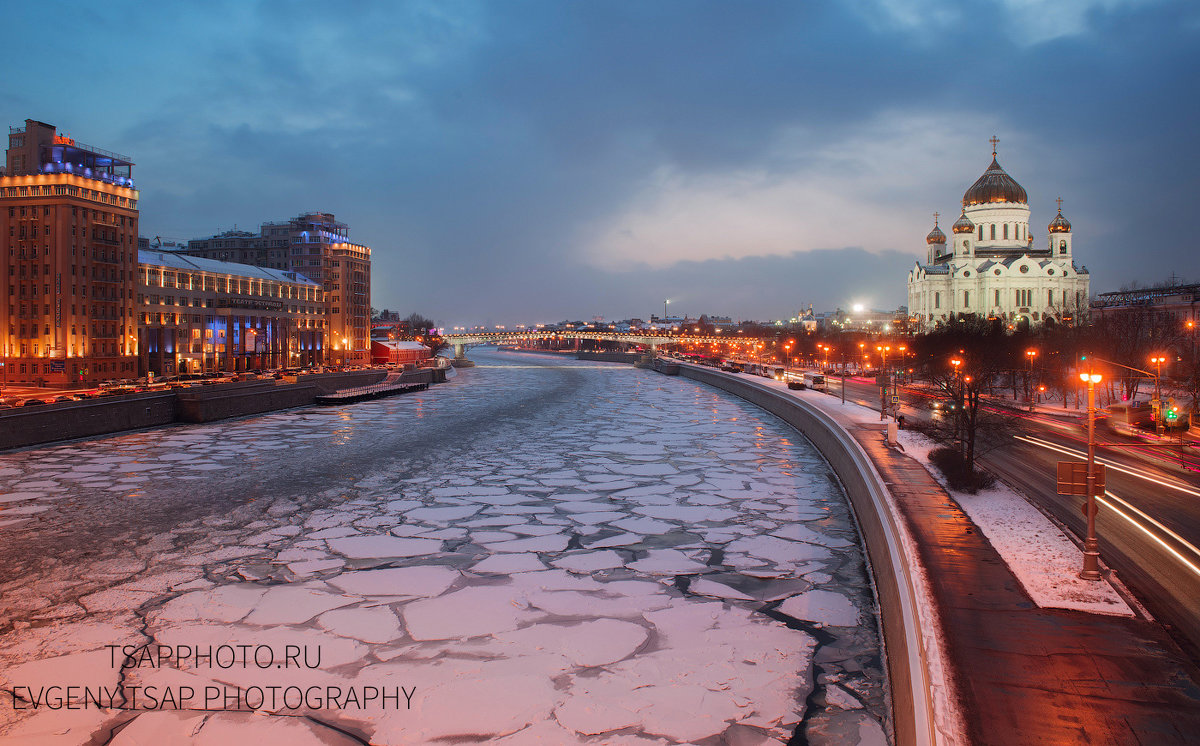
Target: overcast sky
x: 516, y: 162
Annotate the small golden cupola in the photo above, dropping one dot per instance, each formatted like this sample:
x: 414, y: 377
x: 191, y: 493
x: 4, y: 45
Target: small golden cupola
x: 935, y: 235
x: 1060, y: 224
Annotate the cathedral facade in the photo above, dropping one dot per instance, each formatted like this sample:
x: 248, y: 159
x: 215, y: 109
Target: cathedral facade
x: 992, y: 268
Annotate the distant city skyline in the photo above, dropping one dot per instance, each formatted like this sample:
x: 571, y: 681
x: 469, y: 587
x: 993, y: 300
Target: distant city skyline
x: 526, y: 162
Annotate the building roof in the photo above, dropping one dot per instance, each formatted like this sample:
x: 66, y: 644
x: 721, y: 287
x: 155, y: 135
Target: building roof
x: 198, y: 264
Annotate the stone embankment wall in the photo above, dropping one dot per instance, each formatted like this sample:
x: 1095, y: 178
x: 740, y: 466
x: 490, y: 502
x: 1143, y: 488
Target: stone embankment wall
x: 609, y: 357
x: 908, y: 666
x: 27, y: 426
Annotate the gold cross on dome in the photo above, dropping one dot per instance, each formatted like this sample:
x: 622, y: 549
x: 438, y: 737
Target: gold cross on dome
x: 1059, y: 201
x: 935, y: 217
x: 994, y: 141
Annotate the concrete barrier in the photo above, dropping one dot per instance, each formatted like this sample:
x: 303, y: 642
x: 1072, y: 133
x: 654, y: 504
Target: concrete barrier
x: 908, y: 663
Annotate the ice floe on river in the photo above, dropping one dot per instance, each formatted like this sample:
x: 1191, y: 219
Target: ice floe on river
x: 591, y: 554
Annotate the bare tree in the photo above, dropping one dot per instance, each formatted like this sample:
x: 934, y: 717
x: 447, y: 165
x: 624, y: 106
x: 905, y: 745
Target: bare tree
x: 1130, y: 336
x: 984, y: 354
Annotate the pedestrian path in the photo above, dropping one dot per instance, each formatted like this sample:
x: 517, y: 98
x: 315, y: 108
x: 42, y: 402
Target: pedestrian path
x: 1026, y: 675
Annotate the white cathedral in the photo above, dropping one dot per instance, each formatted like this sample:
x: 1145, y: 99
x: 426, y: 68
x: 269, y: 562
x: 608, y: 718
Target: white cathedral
x: 992, y: 268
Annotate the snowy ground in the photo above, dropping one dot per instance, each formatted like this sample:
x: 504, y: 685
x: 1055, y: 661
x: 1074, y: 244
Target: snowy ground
x: 532, y: 553
x: 1036, y: 550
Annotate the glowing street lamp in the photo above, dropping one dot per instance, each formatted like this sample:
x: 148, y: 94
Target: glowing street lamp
x: 1158, y: 360
x: 1030, y: 355
x: 1091, y: 546
x: 883, y: 377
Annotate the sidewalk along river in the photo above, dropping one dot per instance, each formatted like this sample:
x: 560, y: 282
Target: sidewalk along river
x: 538, y: 551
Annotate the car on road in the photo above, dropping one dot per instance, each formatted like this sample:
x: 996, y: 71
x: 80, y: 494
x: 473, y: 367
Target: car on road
x: 33, y: 403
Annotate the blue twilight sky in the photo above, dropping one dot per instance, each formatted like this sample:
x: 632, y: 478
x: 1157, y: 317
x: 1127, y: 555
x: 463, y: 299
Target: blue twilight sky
x: 515, y: 162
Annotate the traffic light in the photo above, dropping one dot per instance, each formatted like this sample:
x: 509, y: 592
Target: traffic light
x: 1172, y: 412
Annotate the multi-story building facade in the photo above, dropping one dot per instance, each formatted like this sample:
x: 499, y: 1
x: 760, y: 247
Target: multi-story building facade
x: 992, y: 267
x: 268, y: 248
x: 68, y: 251
x: 317, y: 246
x: 200, y: 315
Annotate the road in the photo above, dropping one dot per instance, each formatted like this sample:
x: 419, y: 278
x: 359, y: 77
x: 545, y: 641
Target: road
x: 1149, y: 518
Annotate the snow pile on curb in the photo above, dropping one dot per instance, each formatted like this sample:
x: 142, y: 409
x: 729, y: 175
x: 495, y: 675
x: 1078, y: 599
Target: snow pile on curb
x: 1044, y: 560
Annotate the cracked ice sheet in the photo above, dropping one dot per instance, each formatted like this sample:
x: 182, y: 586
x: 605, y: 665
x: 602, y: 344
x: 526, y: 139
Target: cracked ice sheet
x: 473, y: 584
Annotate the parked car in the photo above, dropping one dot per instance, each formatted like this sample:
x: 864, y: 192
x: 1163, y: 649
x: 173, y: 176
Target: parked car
x: 33, y: 403
x: 63, y: 398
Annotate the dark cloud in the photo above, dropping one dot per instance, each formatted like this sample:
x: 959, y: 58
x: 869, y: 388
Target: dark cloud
x: 481, y: 147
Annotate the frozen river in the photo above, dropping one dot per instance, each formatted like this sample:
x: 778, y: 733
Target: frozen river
x: 539, y: 551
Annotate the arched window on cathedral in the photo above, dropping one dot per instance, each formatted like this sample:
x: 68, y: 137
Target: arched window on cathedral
x: 1006, y: 230
x: 966, y: 299
x: 1062, y: 247
x: 981, y: 231
x: 993, y: 231
x: 937, y: 300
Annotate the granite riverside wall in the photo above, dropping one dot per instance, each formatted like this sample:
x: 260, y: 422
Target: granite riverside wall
x: 907, y: 662
x: 28, y: 426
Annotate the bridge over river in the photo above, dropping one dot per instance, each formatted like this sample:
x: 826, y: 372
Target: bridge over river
x: 651, y: 341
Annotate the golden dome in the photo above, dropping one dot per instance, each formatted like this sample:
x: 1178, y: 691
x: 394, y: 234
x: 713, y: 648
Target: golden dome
x: 994, y: 186
x: 935, y: 235
x: 1060, y: 224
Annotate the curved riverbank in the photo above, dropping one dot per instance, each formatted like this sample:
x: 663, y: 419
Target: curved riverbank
x: 914, y: 672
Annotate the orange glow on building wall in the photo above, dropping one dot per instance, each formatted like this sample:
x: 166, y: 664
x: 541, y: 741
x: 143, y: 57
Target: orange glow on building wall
x: 69, y: 255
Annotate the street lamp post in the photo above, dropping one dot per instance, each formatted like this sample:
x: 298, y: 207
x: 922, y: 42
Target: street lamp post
x: 957, y: 400
x: 1091, y: 545
x: 1030, y: 354
x: 883, y: 380
x: 1158, y: 360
